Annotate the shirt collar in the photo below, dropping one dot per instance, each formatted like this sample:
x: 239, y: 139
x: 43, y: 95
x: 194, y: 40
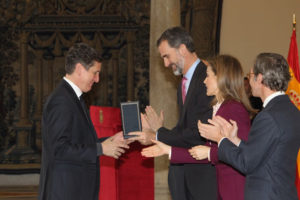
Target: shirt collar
x: 272, y: 96
x: 191, y: 70
x: 76, y: 89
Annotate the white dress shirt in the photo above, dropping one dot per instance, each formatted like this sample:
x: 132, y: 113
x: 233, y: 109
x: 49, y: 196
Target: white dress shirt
x: 76, y: 89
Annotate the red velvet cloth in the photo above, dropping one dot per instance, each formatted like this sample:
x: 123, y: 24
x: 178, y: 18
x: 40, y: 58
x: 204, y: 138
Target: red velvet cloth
x: 135, y: 175
x: 132, y: 176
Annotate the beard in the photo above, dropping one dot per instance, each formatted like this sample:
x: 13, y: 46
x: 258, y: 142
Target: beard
x: 177, y: 71
x: 179, y: 65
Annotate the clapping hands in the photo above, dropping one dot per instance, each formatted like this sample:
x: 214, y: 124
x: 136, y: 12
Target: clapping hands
x: 151, y: 122
x: 154, y: 121
x: 218, y: 128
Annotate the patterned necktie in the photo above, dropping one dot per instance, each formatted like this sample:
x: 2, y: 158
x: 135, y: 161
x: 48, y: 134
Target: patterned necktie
x: 183, y: 89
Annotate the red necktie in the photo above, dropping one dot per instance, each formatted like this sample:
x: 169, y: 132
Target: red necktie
x: 183, y: 90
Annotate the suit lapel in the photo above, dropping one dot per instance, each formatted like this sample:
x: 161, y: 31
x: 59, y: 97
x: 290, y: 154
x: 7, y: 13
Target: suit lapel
x: 192, y: 87
x: 74, y: 98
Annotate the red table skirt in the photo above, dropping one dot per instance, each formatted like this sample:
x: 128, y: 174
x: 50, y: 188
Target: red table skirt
x: 132, y: 176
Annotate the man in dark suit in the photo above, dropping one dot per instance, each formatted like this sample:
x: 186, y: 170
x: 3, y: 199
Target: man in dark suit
x: 186, y: 181
x: 268, y: 159
x: 255, y: 102
x: 70, y: 164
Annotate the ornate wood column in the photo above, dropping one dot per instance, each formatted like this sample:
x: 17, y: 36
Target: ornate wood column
x: 24, y: 126
x: 130, y: 66
x: 50, y: 75
x: 163, y: 84
x: 39, y: 97
x: 24, y: 80
x: 115, y: 65
x: 39, y: 82
x: 22, y: 151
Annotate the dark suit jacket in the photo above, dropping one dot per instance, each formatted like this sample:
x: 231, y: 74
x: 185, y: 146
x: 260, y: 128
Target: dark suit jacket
x: 199, y: 179
x: 196, y: 107
x: 230, y: 182
x: 268, y: 158
x: 70, y: 166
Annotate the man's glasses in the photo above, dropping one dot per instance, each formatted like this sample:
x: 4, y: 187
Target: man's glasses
x: 249, y: 75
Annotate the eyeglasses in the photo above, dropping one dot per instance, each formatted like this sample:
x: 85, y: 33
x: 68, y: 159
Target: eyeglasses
x: 249, y: 75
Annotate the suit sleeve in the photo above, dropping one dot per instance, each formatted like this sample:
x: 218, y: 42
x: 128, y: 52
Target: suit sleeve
x: 99, y: 145
x: 181, y: 155
x: 185, y: 134
x: 263, y: 139
x: 61, y: 125
x: 234, y: 111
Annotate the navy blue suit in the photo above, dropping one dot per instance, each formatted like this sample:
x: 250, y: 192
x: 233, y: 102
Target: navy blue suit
x: 191, y: 181
x: 268, y: 158
x: 70, y: 166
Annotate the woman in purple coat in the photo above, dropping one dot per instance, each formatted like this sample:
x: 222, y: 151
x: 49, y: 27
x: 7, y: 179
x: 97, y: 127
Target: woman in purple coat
x: 225, y: 81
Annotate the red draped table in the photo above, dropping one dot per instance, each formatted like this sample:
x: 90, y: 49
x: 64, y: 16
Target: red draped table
x: 132, y: 176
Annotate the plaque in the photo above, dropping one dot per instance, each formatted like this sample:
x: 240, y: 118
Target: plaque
x: 131, y: 118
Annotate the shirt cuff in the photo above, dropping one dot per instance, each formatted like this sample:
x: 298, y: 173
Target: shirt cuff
x: 221, y: 141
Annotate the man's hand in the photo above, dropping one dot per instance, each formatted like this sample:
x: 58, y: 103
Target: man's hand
x: 144, y: 137
x: 228, y: 129
x: 114, y: 146
x: 158, y: 149
x: 210, y: 131
x: 119, y: 137
x: 145, y: 124
x: 154, y: 121
x: 199, y: 152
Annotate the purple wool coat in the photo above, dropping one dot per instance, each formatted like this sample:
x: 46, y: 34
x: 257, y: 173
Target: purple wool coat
x: 231, y: 182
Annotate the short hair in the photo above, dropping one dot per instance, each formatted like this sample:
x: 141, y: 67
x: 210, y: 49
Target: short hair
x: 83, y: 54
x: 177, y: 36
x: 274, y: 70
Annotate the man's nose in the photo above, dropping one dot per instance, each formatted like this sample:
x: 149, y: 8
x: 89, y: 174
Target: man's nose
x: 166, y: 62
x: 96, y: 78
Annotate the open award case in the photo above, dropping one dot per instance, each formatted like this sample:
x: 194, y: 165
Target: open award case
x: 131, y: 118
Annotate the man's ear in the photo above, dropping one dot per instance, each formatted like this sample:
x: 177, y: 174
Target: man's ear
x: 78, y: 69
x: 259, y: 78
x: 182, y: 49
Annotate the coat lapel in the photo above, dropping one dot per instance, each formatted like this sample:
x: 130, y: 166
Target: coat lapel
x: 192, y: 87
x: 74, y: 98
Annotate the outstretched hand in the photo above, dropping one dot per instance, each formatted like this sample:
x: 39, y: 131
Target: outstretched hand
x: 114, y: 146
x: 158, y: 149
x: 145, y: 137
